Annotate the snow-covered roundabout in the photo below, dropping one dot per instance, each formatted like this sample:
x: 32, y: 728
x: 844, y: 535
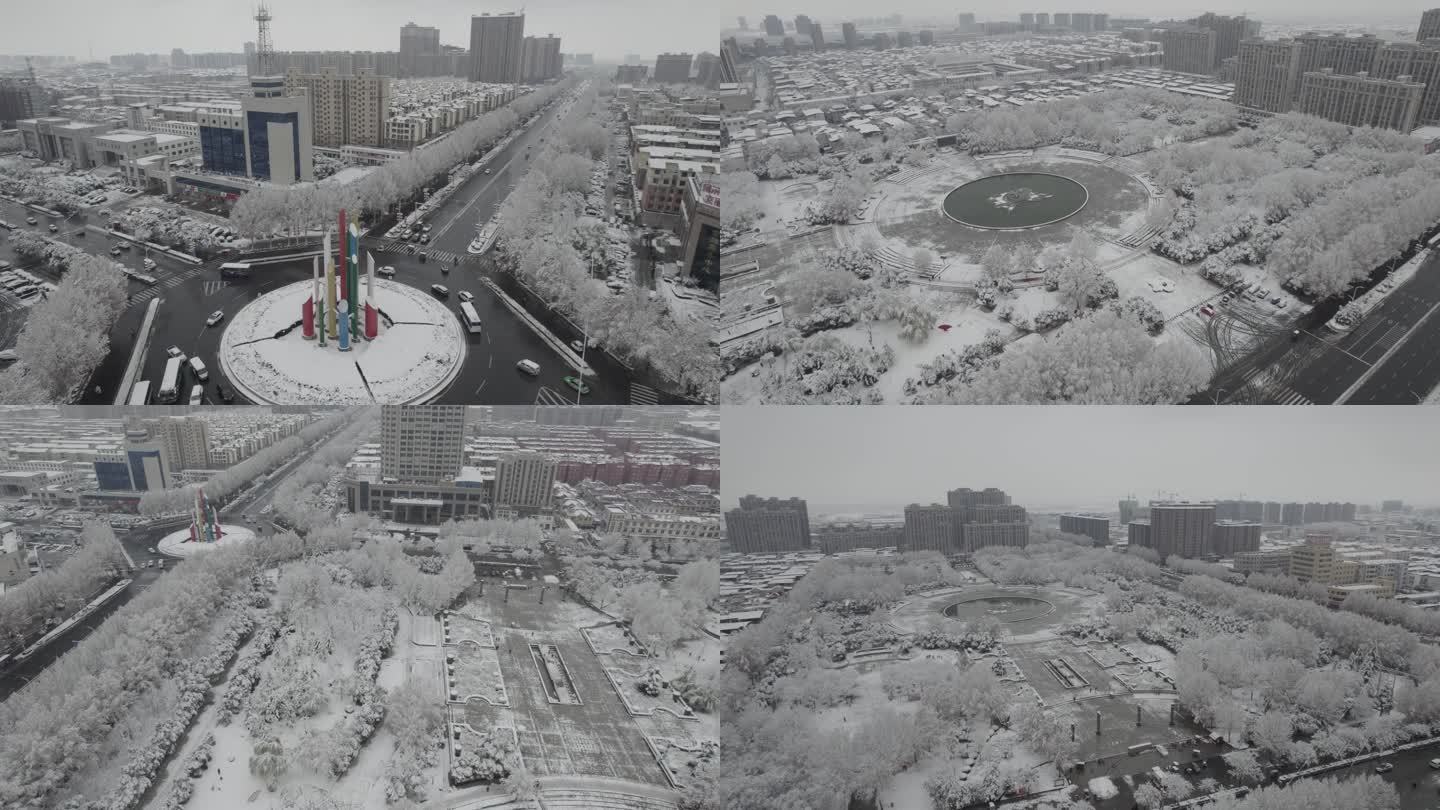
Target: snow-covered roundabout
x: 178, y: 543
x: 417, y: 353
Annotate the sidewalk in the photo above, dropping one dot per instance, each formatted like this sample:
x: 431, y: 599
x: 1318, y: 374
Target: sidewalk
x: 137, y: 354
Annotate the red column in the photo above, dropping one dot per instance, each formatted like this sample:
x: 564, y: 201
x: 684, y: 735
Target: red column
x: 307, y: 311
x: 372, y: 322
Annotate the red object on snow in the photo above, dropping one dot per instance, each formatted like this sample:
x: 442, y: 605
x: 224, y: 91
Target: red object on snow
x: 944, y: 327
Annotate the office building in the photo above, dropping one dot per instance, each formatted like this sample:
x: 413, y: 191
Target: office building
x: 1361, y: 101
x: 419, y: 51
x: 496, y: 44
x: 1419, y: 61
x: 904, y: 39
x: 1182, y: 529
x: 729, y: 53
x: 1231, y: 537
x: 344, y: 110
x: 524, y: 484
x: 20, y: 99
x: 966, y: 21
x: 1095, y: 527
x: 672, y: 68
x: 931, y: 528
x: 1267, y: 74
x: 1314, y: 561
x: 817, y: 36
x: 765, y: 525
x: 1383, y: 589
x: 422, y: 443
x: 1392, y: 506
x: 1429, y: 26
x: 700, y: 230
x: 1276, y: 563
x: 425, y: 503
x: 773, y: 26
x: 707, y: 69
x: 277, y: 133
x: 848, y: 33
x: 1188, y: 50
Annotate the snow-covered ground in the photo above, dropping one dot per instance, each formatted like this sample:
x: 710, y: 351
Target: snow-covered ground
x: 410, y: 362
x: 177, y: 544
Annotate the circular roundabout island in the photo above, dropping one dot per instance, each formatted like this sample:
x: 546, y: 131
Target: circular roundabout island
x: 1013, y: 201
x: 417, y: 351
x: 1002, y: 607
x: 181, y: 544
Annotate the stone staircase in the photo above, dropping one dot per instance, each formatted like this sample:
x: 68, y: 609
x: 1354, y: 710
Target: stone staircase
x: 898, y: 261
x: 1139, y: 238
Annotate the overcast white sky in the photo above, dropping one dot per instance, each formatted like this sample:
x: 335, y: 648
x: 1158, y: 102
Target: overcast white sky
x: 608, y: 28
x: 1081, y: 457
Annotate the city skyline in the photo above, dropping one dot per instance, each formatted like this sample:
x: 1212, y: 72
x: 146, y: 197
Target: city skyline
x: 608, y: 30
x: 836, y: 12
x: 882, y: 458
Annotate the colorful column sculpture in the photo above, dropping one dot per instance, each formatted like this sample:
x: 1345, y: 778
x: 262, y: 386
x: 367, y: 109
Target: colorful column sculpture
x: 344, y: 318
x: 372, y: 317
x: 344, y: 247
x: 307, y: 310
x: 204, y: 522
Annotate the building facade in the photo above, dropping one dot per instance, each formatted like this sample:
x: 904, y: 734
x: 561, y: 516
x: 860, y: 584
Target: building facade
x: 1188, y: 50
x: 1232, y: 537
x: 931, y: 528
x: 278, y: 140
x: 1095, y: 527
x: 524, y: 482
x: 422, y: 443
x: 1419, y: 61
x: 1361, y: 101
x: 496, y: 45
x: 765, y: 525
x: 1429, y: 25
x: 1182, y: 529
x: 344, y: 109
x: 1267, y: 74
x: 419, y: 50
x: 672, y: 68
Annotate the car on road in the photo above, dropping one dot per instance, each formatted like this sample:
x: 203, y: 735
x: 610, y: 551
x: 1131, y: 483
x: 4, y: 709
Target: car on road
x: 487, y: 171
x: 123, y: 245
x: 577, y: 383
x: 445, y: 269
x: 415, y: 237
x: 425, y: 227
x: 423, y: 256
x: 225, y: 393
x: 174, y: 351
x: 115, y: 250
x: 1208, y: 311
x: 440, y: 290
x: 80, y: 232
x: 1385, y: 767
x: 198, y: 366
x: 1435, y: 763
x: 30, y: 220
x: 215, y: 317
x: 387, y: 270
x: 529, y: 367
x: 464, y: 295
x: 8, y: 356
x: 54, y: 228
x: 150, y: 264
x: 425, y: 238
x: 4, y: 265
x: 152, y: 549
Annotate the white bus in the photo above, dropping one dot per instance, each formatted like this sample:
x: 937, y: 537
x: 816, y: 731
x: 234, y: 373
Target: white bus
x: 472, y: 320
x: 235, y: 270
x: 140, y: 393
x: 169, y: 391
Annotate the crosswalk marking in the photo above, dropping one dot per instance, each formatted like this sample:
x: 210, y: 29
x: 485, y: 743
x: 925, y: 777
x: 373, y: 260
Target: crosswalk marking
x: 1292, y: 397
x: 643, y: 395
x: 213, y: 287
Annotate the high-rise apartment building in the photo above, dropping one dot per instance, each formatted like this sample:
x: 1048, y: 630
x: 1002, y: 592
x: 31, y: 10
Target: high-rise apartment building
x: 1229, y: 32
x: 1340, y: 53
x: 1231, y: 537
x: 1419, y: 61
x: 419, y: 50
x: 422, y: 443
x: 851, y: 37
x: 344, y: 109
x: 1360, y: 100
x: 773, y: 26
x: 729, y: 56
x: 966, y: 21
x: 1095, y: 527
x: 186, y: 441
x: 1062, y: 19
x: 802, y: 25
x: 1188, y: 50
x: 1042, y: 20
x: 1429, y: 25
x: 767, y: 525
x: 1128, y: 509
x: 817, y: 36
x: 524, y: 483
x: 707, y: 69
x: 930, y: 528
x: 672, y: 68
x: 540, y: 58
x: 496, y: 44
x: 1027, y: 20
x: 1184, y: 529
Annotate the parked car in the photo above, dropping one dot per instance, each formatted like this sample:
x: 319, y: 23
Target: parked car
x: 215, y: 317
x: 1385, y: 767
